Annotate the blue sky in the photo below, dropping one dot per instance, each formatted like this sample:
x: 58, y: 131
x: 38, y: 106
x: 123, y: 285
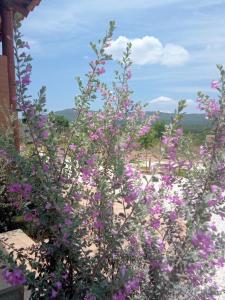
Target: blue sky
x: 176, y: 46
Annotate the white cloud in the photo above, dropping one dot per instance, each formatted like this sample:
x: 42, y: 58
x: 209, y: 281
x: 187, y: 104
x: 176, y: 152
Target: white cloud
x: 167, y: 104
x: 149, y: 50
x: 163, y: 99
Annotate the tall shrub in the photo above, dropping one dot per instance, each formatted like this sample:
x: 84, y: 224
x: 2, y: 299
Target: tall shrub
x: 103, y: 230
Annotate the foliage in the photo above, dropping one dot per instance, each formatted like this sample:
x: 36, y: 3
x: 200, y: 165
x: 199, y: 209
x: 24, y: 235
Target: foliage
x: 153, y: 136
x: 104, y: 230
x: 60, y: 122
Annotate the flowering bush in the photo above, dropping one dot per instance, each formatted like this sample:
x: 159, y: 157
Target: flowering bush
x: 104, y: 231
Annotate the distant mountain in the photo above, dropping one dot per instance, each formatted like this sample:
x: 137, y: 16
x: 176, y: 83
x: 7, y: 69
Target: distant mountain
x: 193, y: 122
x: 68, y: 113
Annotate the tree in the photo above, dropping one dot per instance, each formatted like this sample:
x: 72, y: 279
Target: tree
x: 61, y: 123
x: 153, y: 136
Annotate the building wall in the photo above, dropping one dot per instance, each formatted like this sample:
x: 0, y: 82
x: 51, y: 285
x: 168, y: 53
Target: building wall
x: 5, y: 115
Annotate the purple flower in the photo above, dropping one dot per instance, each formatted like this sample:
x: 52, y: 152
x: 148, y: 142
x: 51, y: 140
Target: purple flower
x: 54, y: 294
x: 14, y: 277
x: 26, y: 190
x: 129, y: 199
x: 26, y: 79
x: 58, y: 285
x: 45, y: 134
x: 119, y: 296
x: 42, y: 121
x: 68, y: 208
x: 204, y: 242
x: 176, y: 200
x: 132, y: 285
x: 68, y: 223
x: 97, y: 196
x: 46, y: 168
x: 28, y: 217
x: 15, y: 188
x: 90, y: 161
x: 155, y: 223
x: 89, y: 297
x: 98, y: 224
x: 192, y: 271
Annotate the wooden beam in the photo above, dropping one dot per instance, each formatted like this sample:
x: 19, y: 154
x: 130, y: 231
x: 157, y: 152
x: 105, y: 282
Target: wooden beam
x: 19, y: 8
x: 8, y: 50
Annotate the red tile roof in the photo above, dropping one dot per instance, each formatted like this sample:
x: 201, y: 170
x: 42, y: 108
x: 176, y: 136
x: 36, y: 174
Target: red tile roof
x: 24, y: 7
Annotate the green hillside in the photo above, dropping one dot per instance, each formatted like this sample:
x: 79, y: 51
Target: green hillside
x: 193, y: 122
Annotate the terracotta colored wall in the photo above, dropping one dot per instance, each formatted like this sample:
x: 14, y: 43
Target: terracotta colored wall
x: 4, y: 95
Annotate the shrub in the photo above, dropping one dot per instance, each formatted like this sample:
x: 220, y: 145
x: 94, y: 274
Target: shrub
x: 104, y: 233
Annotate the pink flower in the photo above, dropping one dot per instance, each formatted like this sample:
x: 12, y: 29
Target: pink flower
x: 214, y: 188
x: 129, y: 74
x: 93, y: 136
x: 157, y: 209
x: 144, y: 130
x: 48, y: 206
x: 165, y: 267
x: 160, y: 245
x: 215, y: 84
x: 172, y: 216
x: 100, y: 71
x: 26, y: 45
x: 28, y: 68
x: 72, y: 147
x: 148, y: 239
x: 90, y: 161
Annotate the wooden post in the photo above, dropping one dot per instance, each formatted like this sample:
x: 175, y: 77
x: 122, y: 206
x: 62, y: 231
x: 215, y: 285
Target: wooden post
x: 8, y: 50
